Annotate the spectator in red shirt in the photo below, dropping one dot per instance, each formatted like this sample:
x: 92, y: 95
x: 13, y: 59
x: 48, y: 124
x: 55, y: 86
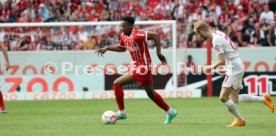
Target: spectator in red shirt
x: 241, y: 15
x: 188, y: 68
x: 224, y: 18
x: 36, y: 4
x: 36, y: 46
x: 5, y: 12
x: 23, y: 44
x: 157, y: 15
x: 162, y: 7
x: 191, y: 7
x: 22, y: 5
x: 153, y: 3
x: 252, y: 13
x: 37, y: 18
x: 231, y: 6
x: 147, y: 10
x: 137, y: 8
x: 190, y: 62
x: 244, y: 4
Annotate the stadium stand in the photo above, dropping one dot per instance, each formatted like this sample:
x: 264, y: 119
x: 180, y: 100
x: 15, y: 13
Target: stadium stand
x: 250, y: 23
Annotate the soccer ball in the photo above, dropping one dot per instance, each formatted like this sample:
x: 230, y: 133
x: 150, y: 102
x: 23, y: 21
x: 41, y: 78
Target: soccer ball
x: 109, y: 117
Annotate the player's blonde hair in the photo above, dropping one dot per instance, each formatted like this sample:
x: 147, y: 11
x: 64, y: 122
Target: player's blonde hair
x: 201, y: 26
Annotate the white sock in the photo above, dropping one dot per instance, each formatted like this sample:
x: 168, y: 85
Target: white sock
x: 250, y: 98
x: 231, y: 106
x: 170, y: 111
x: 122, y: 111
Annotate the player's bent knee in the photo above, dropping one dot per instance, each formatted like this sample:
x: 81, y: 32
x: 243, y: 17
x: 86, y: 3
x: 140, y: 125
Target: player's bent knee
x: 150, y: 94
x: 117, y: 83
x: 235, y: 101
x: 223, y: 99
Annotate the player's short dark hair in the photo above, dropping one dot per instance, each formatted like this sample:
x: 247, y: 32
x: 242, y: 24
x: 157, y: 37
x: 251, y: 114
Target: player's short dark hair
x: 128, y: 19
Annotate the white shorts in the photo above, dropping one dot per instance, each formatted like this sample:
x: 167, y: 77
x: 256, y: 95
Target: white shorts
x: 234, y: 81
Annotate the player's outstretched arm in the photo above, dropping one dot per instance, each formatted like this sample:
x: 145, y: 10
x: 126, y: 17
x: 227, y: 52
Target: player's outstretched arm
x: 115, y: 48
x: 5, y: 53
x: 156, y: 38
x: 220, y: 61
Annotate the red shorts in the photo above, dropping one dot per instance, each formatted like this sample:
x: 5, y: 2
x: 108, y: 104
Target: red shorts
x: 142, y: 75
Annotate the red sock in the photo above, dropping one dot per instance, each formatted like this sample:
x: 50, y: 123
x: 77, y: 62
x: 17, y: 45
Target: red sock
x: 2, y: 106
x: 119, y: 94
x: 160, y: 101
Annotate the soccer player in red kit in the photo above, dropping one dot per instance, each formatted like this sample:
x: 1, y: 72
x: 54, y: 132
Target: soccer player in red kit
x: 136, y: 43
x: 4, y: 50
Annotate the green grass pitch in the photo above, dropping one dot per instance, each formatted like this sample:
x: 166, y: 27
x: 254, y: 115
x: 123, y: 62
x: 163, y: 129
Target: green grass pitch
x: 196, y: 117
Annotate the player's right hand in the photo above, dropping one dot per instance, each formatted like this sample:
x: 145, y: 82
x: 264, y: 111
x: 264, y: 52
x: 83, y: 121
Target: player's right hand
x: 162, y: 58
x: 101, y: 51
x: 7, y: 66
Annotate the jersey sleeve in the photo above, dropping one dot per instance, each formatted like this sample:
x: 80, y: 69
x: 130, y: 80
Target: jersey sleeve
x: 121, y: 41
x: 218, y: 46
x: 142, y: 36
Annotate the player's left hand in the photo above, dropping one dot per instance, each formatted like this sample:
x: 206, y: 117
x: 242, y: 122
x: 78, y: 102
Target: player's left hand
x: 206, y: 68
x: 162, y: 58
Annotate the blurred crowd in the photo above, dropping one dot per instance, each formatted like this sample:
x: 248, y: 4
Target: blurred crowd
x: 247, y: 22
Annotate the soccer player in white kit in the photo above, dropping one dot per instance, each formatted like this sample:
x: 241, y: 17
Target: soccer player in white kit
x: 7, y: 64
x: 228, y: 55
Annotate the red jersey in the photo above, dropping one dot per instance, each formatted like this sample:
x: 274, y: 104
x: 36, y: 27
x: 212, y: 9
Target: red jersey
x: 137, y: 46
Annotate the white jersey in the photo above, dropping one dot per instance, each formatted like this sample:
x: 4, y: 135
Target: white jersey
x: 222, y: 44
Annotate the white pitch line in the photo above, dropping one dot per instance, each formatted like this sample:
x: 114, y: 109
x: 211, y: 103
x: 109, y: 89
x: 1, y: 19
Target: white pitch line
x: 187, y: 115
x: 132, y: 115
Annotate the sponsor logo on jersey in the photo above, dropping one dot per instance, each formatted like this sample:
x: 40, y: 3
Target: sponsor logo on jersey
x: 217, y: 48
x: 140, y: 34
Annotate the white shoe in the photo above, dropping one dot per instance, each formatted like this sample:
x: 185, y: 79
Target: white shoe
x: 3, y: 112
